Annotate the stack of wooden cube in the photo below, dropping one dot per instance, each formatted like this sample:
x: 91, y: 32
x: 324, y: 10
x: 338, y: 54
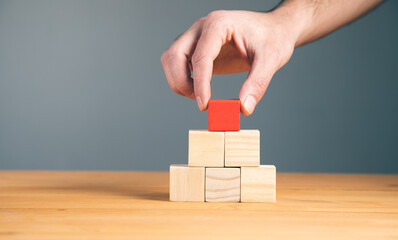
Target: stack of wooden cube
x: 223, y: 162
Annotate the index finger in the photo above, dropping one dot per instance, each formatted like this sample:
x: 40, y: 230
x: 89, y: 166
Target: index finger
x: 207, y: 50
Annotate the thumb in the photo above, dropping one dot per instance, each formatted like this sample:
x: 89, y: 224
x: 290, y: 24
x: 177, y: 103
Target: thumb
x: 262, y: 69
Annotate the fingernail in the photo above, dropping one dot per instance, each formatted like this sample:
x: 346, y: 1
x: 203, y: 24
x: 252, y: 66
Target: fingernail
x: 199, y: 101
x: 249, y: 104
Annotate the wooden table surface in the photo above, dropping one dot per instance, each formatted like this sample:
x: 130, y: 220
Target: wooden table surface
x: 134, y: 205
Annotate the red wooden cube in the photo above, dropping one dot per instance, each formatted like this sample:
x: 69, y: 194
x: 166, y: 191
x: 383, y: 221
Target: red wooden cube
x: 224, y: 114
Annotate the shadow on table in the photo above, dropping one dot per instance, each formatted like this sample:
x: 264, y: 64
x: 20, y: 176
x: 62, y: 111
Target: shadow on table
x: 102, y: 190
x: 117, y: 184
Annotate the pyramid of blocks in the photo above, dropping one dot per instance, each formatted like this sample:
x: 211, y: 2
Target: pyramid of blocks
x: 223, y: 162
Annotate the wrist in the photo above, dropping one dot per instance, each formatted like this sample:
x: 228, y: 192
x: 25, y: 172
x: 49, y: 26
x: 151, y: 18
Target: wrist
x: 296, y: 17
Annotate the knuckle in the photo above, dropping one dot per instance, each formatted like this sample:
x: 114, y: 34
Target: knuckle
x: 261, y: 84
x: 219, y: 21
x: 219, y: 24
x: 164, y: 57
x: 217, y: 18
x: 200, y: 21
x: 174, y: 87
x: 216, y: 14
x: 198, y: 57
x: 169, y: 55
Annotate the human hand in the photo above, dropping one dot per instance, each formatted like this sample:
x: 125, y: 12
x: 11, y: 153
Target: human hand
x: 261, y: 43
x: 230, y: 42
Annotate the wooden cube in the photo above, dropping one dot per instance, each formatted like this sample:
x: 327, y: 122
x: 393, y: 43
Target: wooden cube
x: 224, y: 115
x: 206, y: 149
x: 258, y: 184
x: 242, y: 148
x: 187, y: 183
x: 222, y: 185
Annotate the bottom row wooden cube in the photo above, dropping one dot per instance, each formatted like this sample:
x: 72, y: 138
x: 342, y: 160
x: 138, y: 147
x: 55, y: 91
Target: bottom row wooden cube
x: 222, y: 185
x: 187, y: 184
x: 258, y: 184
x: 245, y: 184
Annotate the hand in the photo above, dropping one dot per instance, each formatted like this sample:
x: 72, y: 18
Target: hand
x: 261, y: 43
x: 230, y: 42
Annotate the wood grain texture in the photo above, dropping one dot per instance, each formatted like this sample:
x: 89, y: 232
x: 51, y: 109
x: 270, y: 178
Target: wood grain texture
x: 60, y: 205
x: 258, y: 184
x: 187, y: 183
x: 206, y: 149
x: 242, y: 148
x: 222, y: 185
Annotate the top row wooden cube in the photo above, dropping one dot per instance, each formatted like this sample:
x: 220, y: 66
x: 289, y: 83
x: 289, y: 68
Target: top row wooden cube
x: 224, y: 149
x: 224, y: 115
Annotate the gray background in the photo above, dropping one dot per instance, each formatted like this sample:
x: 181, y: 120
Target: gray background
x: 81, y: 87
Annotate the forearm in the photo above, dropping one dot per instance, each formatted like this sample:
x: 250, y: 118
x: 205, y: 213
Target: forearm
x: 312, y: 19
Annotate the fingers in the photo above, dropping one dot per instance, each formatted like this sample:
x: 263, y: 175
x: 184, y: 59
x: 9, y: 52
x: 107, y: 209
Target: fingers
x: 263, y: 67
x: 177, y: 73
x: 203, y: 41
x: 175, y: 62
x: 207, y: 49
